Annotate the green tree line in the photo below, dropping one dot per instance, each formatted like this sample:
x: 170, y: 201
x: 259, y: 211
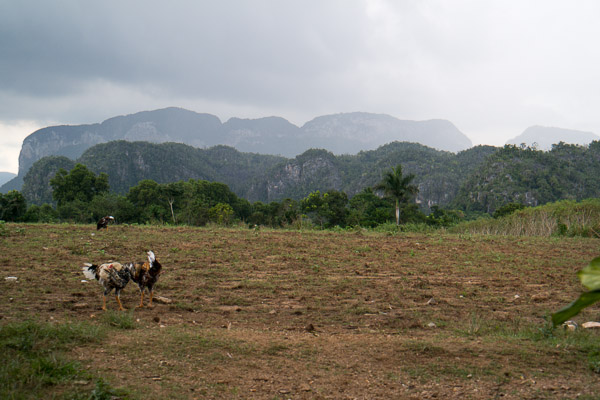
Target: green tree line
x: 84, y: 197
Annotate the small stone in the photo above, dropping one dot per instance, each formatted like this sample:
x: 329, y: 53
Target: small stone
x: 162, y: 300
x: 305, y: 388
x: 11, y: 278
x: 431, y: 325
x: 570, y: 325
x: 540, y: 296
x: 591, y: 325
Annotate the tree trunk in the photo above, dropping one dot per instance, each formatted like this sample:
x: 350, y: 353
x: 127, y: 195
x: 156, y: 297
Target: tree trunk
x: 397, y: 212
x: 171, y: 201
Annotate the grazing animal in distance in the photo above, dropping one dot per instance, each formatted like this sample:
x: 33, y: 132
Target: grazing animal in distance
x: 146, y: 274
x: 104, y: 221
x: 111, y: 276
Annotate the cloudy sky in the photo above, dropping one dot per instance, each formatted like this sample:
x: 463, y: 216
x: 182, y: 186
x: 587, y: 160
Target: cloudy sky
x: 493, y: 68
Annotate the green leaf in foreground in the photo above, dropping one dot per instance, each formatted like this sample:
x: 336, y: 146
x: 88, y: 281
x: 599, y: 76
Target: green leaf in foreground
x: 586, y: 299
x: 590, y: 275
x: 590, y: 278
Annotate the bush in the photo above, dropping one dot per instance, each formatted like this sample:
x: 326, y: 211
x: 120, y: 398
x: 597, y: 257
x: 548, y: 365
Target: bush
x: 508, y: 209
x: 563, y: 218
x: 44, y: 213
x: 221, y: 213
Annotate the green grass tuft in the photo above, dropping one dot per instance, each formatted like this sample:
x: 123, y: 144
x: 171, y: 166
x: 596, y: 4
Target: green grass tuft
x: 119, y: 319
x: 35, y: 365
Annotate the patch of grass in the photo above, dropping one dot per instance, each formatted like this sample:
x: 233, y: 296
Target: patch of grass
x: 423, y: 347
x: 208, y: 348
x: 119, y: 319
x: 230, y: 300
x: 224, y: 344
x: 362, y: 249
x: 103, y: 391
x: 465, y: 372
x: 31, y: 336
x: 582, y: 344
x: 35, y: 365
x: 276, y: 349
x: 183, y: 306
x: 359, y: 309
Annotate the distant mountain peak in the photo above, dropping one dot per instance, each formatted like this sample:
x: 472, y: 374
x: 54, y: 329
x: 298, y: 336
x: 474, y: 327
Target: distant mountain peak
x: 5, y: 177
x: 544, y: 137
x: 358, y: 131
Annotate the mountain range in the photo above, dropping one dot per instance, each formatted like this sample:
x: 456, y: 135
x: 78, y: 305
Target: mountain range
x: 346, y: 133
x: 269, y: 159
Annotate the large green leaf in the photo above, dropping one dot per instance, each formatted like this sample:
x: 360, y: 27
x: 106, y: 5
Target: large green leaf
x: 586, y: 299
x: 590, y: 275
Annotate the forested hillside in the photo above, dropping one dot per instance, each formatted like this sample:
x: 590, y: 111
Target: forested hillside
x: 36, y: 186
x: 532, y: 177
x: 127, y: 163
x: 265, y: 178
x: 480, y: 179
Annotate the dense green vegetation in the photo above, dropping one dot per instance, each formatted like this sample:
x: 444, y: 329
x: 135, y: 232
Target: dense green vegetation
x: 84, y: 197
x: 36, y: 187
x: 264, y: 178
x: 128, y: 163
x: 562, y: 218
x: 479, y: 180
x: 532, y: 177
x: 199, y: 186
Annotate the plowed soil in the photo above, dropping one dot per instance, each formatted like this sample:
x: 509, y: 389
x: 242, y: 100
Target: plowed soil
x: 271, y: 314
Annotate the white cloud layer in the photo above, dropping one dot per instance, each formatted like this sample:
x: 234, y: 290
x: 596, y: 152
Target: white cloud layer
x: 493, y: 68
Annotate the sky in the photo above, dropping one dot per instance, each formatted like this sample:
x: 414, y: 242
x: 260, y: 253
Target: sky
x: 492, y: 68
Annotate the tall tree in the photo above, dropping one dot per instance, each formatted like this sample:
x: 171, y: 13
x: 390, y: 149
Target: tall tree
x: 397, y: 186
x: 12, y: 206
x: 78, y: 184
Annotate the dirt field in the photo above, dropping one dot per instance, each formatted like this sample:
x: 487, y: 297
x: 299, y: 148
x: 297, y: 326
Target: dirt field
x: 317, y: 315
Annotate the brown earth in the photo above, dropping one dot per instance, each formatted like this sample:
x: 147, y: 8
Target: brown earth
x: 316, y: 315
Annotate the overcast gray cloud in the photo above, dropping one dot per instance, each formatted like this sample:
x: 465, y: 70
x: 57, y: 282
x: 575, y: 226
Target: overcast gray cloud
x: 493, y: 68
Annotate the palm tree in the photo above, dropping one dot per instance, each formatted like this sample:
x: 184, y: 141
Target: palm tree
x: 397, y: 186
